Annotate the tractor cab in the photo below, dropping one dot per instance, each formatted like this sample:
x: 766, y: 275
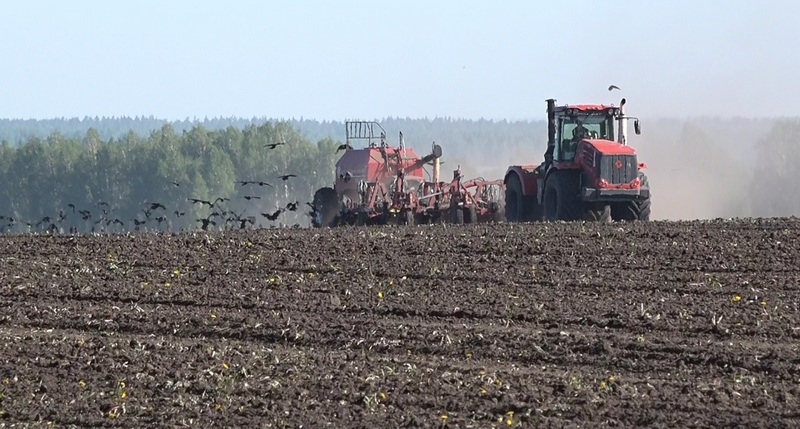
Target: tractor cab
x: 571, y: 123
x: 575, y: 124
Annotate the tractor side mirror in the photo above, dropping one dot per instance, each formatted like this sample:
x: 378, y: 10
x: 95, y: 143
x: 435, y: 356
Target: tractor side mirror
x: 636, y: 127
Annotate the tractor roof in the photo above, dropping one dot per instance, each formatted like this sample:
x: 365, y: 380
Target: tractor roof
x: 585, y: 107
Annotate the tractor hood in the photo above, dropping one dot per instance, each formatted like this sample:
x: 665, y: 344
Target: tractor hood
x: 609, y: 147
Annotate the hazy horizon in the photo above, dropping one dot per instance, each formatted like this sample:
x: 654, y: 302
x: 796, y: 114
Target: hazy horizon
x: 321, y: 61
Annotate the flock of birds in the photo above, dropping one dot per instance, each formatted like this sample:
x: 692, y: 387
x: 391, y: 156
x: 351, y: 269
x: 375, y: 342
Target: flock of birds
x: 101, y: 217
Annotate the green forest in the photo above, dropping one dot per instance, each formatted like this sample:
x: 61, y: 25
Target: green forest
x: 120, y: 174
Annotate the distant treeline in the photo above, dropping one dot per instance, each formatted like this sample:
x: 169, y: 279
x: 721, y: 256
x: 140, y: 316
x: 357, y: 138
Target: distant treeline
x: 90, y: 183
x: 120, y: 166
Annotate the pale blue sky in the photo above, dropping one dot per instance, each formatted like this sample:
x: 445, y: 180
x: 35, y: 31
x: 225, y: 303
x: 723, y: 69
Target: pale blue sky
x: 358, y: 59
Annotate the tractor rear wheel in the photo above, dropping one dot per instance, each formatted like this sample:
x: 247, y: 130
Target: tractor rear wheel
x: 326, y: 207
x: 633, y: 210
x: 518, y: 207
x: 561, y: 200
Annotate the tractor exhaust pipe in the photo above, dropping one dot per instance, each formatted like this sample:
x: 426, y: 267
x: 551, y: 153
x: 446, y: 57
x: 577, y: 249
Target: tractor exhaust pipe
x: 551, y: 131
x: 623, y: 123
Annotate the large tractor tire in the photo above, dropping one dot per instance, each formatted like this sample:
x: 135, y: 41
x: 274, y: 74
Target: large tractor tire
x: 326, y: 208
x: 518, y: 207
x: 633, y: 210
x: 561, y: 196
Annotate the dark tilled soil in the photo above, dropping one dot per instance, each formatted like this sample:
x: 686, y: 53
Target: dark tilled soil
x: 576, y: 325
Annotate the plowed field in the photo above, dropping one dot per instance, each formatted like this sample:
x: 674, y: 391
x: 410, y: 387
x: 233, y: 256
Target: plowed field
x: 690, y: 324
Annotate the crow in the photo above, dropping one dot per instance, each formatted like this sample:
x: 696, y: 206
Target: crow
x: 179, y: 214
x: 154, y: 206
x: 250, y: 197
x: 244, y: 221
x: 195, y: 201
x: 272, y: 216
x: 209, y: 203
x: 176, y: 183
x: 292, y: 206
x: 274, y: 145
x: 206, y: 222
x: 73, y: 207
x: 343, y: 147
x: 313, y: 209
x: 286, y: 177
x: 61, y: 216
x: 254, y: 182
x: 138, y: 222
x: 613, y: 87
x: 117, y: 221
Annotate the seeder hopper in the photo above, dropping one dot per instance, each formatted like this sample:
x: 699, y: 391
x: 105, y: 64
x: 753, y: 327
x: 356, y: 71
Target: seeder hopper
x: 382, y: 184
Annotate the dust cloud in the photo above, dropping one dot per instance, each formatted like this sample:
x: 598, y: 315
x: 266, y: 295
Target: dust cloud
x: 698, y: 168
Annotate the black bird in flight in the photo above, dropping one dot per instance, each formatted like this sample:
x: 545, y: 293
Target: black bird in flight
x: 179, y: 214
x: 343, y: 147
x: 73, y: 207
x: 176, y: 183
x: 209, y: 203
x: 243, y: 221
x: 251, y: 197
x: 154, y: 206
x: 254, y: 182
x: 313, y: 209
x: 274, y: 145
x: 272, y: 216
x: 286, y: 177
x: 292, y: 206
x: 613, y: 87
x: 206, y: 222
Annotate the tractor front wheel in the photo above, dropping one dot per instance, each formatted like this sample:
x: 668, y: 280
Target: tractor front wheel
x: 634, y: 210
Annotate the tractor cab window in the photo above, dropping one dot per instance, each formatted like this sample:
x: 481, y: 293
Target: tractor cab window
x: 575, y: 128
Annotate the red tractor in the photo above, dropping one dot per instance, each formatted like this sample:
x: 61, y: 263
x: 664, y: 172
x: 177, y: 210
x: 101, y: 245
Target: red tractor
x: 589, y: 172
